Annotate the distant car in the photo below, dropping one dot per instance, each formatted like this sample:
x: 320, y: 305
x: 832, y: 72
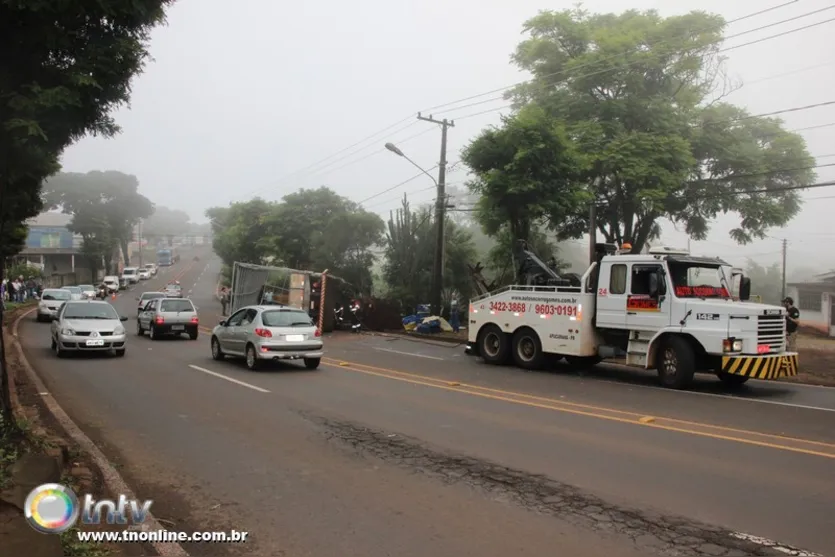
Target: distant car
x: 51, y: 301
x: 88, y: 326
x: 75, y: 292
x: 130, y: 275
x: 146, y: 297
x: 88, y: 291
x: 165, y: 316
x: 152, y: 268
x: 173, y: 291
x: 144, y: 274
x: 112, y: 282
x: 259, y: 333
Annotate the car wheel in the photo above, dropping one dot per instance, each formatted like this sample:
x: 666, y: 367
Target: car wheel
x: 251, y: 358
x: 311, y: 363
x: 193, y: 334
x: 120, y: 353
x: 217, y: 353
x: 139, y: 330
x: 152, y: 333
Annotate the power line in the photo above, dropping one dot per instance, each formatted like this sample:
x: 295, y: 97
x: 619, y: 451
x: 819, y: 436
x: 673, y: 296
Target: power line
x: 592, y: 74
x: 608, y: 58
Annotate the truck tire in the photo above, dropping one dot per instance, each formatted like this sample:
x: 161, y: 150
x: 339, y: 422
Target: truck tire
x: 732, y: 381
x: 493, y: 345
x: 676, y: 364
x: 527, y: 349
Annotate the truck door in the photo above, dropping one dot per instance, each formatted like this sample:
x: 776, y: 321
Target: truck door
x: 645, y: 312
x: 611, y: 296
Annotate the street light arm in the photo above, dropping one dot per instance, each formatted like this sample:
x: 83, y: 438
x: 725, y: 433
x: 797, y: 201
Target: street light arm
x: 416, y: 165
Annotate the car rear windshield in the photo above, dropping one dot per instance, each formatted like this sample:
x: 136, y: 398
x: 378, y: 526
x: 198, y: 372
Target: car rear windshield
x: 59, y: 295
x: 90, y: 311
x: 129, y: 272
x: 75, y: 289
x: 177, y: 305
x: 286, y: 318
x: 86, y: 287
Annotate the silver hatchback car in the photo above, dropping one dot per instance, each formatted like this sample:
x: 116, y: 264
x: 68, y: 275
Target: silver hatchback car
x: 272, y: 332
x: 88, y: 326
x: 168, y: 316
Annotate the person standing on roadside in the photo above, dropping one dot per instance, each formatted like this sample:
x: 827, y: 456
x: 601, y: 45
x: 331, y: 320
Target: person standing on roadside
x: 224, y: 300
x: 792, y: 323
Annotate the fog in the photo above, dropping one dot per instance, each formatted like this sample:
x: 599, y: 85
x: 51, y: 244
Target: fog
x: 247, y: 101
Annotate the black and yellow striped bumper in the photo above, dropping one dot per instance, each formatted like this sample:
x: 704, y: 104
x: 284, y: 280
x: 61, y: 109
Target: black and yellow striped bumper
x: 761, y: 367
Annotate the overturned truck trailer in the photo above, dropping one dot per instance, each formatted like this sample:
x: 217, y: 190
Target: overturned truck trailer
x: 313, y: 292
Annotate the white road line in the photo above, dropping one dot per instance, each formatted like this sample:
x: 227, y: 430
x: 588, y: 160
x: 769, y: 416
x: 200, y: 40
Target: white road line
x: 782, y: 548
x: 407, y: 353
x: 715, y: 395
x: 230, y: 379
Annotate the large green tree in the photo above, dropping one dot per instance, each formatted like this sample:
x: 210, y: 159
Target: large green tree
x: 240, y: 231
x: 640, y: 97
x: 65, y: 67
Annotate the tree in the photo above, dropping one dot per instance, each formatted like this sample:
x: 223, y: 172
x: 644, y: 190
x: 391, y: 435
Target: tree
x: 640, y: 96
x: 526, y: 174
x: 410, y: 249
x: 766, y: 282
x: 106, y: 207
x: 240, y: 231
x: 164, y: 222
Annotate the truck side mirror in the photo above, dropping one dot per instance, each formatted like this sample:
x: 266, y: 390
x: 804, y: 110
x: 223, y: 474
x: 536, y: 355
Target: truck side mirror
x: 744, y: 289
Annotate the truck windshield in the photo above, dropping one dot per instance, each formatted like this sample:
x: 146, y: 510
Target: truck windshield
x: 697, y: 280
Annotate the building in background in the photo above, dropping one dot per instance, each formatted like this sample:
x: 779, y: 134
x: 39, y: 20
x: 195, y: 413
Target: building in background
x: 51, y: 247
x: 816, y: 302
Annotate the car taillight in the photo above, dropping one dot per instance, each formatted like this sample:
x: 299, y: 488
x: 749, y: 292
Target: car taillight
x: 194, y: 320
x: 318, y: 333
x: 159, y: 320
x: 263, y: 333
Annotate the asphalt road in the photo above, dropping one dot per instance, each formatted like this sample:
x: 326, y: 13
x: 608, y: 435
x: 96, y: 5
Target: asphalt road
x: 397, y: 447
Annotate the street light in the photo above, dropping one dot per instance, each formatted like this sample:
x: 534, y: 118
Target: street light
x: 396, y: 150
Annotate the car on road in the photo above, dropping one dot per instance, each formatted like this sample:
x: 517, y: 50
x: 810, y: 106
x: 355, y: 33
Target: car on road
x: 145, y: 298
x: 75, y: 292
x: 130, y: 275
x: 268, y: 333
x: 173, y: 290
x: 88, y: 291
x: 152, y: 268
x: 112, y: 283
x: 168, y: 316
x: 88, y: 326
x: 144, y: 274
x: 51, y: 301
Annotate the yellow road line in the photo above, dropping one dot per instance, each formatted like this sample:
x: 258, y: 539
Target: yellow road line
x: 632, y: 418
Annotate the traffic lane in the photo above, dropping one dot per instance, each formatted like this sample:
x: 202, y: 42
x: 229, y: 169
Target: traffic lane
x: 127, y: 303
x: 704, y: 479
x: 587, y: 389
x: 256, y: 464
x: 769, y: 391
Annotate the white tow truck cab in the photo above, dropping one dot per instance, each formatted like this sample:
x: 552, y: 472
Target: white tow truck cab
x: 665, y: 310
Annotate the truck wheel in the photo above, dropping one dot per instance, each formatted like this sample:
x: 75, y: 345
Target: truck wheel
x: 493, y: 345
x: 731, y: 380
x: 677, y: 363
x: 527, y: 349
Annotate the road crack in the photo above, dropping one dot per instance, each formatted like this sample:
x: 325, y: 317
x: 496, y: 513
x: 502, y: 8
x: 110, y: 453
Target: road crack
x: 660, y: 534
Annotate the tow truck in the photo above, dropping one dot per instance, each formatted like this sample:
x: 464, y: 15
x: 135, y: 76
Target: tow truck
x: 665, y: 310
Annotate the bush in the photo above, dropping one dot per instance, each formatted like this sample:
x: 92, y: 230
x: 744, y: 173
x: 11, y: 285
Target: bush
x: 23, y: 269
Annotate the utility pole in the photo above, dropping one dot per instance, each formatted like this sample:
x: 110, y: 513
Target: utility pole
x: 139, y: 237
x: 440, y: 210
x: 785, y: 250
x: 592, y: 231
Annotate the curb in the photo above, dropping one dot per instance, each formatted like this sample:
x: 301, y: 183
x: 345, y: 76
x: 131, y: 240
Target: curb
x: 113, y: 480
x: 420, y: 336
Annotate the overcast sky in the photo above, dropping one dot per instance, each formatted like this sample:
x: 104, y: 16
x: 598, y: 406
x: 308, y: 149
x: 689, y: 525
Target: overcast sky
x: 243, y: 102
